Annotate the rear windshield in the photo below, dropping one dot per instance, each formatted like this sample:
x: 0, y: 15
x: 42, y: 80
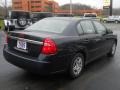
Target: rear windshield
x: 49, y: 25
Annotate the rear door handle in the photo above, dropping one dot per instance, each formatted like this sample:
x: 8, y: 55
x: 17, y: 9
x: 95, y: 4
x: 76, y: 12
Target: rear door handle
x: 86, y: 40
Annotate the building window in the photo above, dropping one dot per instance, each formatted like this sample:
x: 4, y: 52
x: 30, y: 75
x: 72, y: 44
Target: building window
x: 35, y: 1
x: 17, y: 2
x: 35, y: 6
x: 17, y: 7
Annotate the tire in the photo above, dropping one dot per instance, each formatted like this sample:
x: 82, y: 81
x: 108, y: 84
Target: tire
x: 116, y: 22
x: 105, y: 21
x: 22, y: 21
x: 112, y: 50
x: 76, y: 66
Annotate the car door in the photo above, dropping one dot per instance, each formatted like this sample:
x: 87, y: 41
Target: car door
x: 106, y: 43
x: 89, y: 39
x: 111, y: 19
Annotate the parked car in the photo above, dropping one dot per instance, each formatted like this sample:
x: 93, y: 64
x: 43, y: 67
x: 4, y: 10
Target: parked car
x: 59, y: 44
x: 90, y: 15
x: 115, y: 19
x: 18, y: 19
x: 36, y: 16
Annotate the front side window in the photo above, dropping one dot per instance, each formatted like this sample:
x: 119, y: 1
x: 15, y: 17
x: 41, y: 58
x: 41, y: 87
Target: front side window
x: 99, y: 27
x: 87, y: 26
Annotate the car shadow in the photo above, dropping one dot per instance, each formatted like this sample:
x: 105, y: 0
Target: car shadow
x: 60, y: 81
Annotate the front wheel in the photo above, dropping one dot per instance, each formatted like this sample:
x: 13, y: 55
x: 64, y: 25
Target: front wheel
x: 76, y: 66
x: 113, y: 50
x: 105, y: 21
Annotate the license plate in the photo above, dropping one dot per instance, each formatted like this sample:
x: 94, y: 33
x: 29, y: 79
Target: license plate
x: 21, y: 44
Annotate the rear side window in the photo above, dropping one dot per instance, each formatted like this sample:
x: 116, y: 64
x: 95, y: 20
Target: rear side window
x: 87, y: 27
x: 79, y: 28
x: 99, y: 27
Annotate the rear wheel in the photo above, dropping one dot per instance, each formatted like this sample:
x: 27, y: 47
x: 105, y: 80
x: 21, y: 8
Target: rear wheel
x: 116, y: 22
x: 76, y: 66
x: 113, y: 50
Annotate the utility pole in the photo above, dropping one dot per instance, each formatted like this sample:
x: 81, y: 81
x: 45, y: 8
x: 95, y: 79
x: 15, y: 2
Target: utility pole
x: 70, y: 6
x: 6, y: 8
x: 111, y: 7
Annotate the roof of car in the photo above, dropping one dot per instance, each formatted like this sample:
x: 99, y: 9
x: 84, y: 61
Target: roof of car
x: 68, y: 18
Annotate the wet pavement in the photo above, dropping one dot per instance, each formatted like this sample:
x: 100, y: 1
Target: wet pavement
x: 102, y: 74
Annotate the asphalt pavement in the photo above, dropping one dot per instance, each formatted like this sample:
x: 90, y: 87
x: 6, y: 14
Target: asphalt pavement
x: 102, y: 74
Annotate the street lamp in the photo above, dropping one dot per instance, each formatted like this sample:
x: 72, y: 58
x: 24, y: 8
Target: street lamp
x: 111, y: 7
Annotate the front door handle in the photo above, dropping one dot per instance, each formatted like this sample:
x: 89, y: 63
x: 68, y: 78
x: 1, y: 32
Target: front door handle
x: 86, y: 40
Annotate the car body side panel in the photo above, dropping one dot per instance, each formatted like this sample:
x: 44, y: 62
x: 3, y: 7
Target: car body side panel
x: 68, y: 45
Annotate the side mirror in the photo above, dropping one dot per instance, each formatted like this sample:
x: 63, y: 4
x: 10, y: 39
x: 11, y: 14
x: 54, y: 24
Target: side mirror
x: 109, y: 31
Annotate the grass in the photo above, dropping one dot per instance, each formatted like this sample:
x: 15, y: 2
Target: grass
x: 1, y: 24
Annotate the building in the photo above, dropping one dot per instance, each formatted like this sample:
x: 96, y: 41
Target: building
x: 46, y: 6
x: 35, y: 5
x: 20, y: 5
x: 54, y: 6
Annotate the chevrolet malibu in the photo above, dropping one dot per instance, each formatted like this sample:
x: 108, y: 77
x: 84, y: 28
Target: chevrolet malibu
x: 59, y: 44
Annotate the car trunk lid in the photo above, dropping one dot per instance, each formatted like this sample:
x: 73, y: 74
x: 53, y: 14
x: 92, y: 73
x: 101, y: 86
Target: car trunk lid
x: 26, y: 42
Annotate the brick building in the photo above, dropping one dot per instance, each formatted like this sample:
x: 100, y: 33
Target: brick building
x: 35, y: 5
x: 20, y: 5
x: 46, y: 6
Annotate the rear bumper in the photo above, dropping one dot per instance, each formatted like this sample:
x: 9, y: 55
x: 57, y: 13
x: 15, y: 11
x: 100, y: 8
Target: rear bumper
x: 32, y: 65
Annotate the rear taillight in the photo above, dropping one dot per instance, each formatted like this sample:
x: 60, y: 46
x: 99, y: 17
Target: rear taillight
x: 49, y: 47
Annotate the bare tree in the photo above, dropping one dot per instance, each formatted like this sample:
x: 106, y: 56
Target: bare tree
x: 4, y: 7
x: 2, y: 3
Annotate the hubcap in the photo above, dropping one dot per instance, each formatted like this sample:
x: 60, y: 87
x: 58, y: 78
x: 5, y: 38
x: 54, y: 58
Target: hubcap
x: 113, y: 49
x: 77, y: 66
x: 104, y: 21
x: 22, y: 21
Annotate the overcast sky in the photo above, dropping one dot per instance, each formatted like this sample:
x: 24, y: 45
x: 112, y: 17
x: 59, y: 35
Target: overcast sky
x: 93, y: 3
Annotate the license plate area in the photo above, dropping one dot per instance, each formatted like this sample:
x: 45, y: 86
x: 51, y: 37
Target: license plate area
x: 22, y: 44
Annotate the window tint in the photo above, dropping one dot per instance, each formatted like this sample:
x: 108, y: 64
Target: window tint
x: 99, y: 27
x: 49, y: 25
x: 87, y: 27
x: 79, y: 28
